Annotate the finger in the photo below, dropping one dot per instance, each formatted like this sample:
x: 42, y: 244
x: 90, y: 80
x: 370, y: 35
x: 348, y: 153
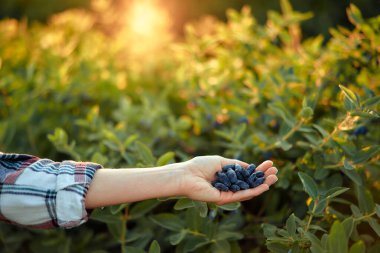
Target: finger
x: 241, y: 195
x: 270, y: 180
x: 271, y: 171
x: 265, y: 165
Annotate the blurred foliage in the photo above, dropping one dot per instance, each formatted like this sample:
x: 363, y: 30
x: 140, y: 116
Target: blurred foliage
x: 238, y: 89
x: 327, y: 13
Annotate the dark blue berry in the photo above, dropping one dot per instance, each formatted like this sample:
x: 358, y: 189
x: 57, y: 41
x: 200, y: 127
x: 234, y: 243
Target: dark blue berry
x: 242, y: 171
x: 221, y: 187
x: 251, y: 168
x: 243, y: 120
x: 227, y: 167
x: 251, y: 180
x: 259, y: 174
x: 362, y: 130
x: 235, y: 178
x: 232, y: 176
x: 234, y: 188
x: 243, y: 185
x: 258, y: 181
x: 239, y: 175
x: 222, y: 177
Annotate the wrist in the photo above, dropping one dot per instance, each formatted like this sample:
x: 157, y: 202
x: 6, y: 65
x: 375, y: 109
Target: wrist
x: 179, y: 177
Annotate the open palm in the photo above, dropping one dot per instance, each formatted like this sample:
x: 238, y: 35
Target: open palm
x: 202, y: 171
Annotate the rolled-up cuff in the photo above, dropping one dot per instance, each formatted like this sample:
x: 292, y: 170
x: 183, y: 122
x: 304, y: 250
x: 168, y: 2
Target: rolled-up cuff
x: 73, y: 182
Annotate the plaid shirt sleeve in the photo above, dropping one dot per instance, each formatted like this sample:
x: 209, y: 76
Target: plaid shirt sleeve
x: 40, y: 193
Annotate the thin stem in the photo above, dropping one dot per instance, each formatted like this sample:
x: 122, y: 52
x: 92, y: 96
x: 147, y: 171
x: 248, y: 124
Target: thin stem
x: 196, y: 233
x: 123, y: 233
x: 287, y: 135
x: 311, y: 215
x: 365, y: 216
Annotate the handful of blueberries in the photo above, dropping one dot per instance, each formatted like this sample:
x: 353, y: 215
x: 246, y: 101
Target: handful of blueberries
x: 233, y: 177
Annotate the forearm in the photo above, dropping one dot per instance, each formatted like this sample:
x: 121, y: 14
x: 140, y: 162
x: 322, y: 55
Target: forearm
x: 116, y: 186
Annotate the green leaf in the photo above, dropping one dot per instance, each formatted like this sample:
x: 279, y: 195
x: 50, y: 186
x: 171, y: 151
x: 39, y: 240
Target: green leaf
x: 141, y: 208
x: 104, y: 216
x: 154, y: 247
x: 358, y: 247
x: 168, y: 221
x: 177, y: 237
x: 348, y: 225
x: 316, y: 245
x: 356, y: 211
x: 116, y: 209
x: 277, y: 247
x: 321, y: 130
x: 145, y: 153
x: 286, y: 7
x: 377, y: 208
x: 337, y: 239
x: 183, y: 204
x: 194, y: 243
x: 284, y: 145
x: 230, y: 206
x: 371, y: 101
x: 309, y: 185
x: 223, y: 234
x: 165, y: 158
x: 336, y: 191
x: 130, y: 140
x: 365, y: 199
x: 347, y: 165
x: 366, y: 154
x: 222, y: 246
x: 240, y: 131
x: 374, y: 225
x: 350, y: 95
x: 354, y: 15
x: 130, y: 249
x: 291, y: 226
x: 353, y: 175
x: 202, y: 208
x: 321, y: 205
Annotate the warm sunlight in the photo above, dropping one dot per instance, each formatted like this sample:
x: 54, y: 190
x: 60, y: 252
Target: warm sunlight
x: 148, y: 23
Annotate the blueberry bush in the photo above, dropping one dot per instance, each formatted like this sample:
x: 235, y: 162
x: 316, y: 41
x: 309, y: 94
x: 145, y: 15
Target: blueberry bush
x: 68, y: 90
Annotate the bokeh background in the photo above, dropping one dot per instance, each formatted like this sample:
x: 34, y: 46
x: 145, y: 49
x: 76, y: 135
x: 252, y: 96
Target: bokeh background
x: 327, y: 13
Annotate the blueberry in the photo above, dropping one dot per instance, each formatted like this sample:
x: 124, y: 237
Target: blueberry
x: 243, y: 185
x: 221, y: 187
x: 234, y: 188
x: 232, y: 176
x: 258, y: 181
x: 222, y: 177
x: 362, y: 130
x: 251, y: 180
x: 239, y: 175
x: 259, y: 174
x: 251, y: 168
x: 243, y: 120
x: 242, y: 171
x: 227, y: 167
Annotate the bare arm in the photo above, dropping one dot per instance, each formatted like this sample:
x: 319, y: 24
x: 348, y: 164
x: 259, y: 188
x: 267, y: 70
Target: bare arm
x: 191, y: 179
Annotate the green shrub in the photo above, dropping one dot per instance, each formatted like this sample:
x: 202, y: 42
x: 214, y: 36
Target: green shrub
x: 240, y: 90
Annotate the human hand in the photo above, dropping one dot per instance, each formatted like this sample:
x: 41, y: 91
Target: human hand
x: 200, y: 171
